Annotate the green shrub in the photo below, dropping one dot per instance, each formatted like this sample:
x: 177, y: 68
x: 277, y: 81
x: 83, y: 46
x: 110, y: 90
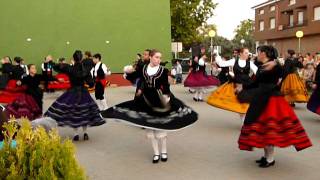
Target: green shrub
x: 38, y: 155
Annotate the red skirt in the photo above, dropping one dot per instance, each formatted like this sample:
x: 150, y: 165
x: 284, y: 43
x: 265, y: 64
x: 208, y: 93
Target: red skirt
x: 12, y: 86
x: 199, y: 79
x: 24, y: 106
x: 104, y: 82
x: 62, y: 83
x: 7, y: 97
x: 277, y: 125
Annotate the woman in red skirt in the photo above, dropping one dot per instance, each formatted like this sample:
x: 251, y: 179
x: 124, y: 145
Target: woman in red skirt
x: 270, y: 121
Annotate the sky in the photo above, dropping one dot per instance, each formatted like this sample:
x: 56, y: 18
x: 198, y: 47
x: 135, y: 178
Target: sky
x: 229, y: 13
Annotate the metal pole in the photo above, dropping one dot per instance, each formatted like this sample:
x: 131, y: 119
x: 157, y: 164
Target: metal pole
x: 211, y: 47
x: 299, y: 45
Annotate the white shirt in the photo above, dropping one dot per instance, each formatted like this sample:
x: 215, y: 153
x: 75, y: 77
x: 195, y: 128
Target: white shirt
x: 152, y: 70
x: 242, y: 63
x: 25, y: 67
x: 179, y: 69
x: 96, y: 68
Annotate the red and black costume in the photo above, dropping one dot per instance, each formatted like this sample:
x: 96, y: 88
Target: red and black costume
x: 270, y: 121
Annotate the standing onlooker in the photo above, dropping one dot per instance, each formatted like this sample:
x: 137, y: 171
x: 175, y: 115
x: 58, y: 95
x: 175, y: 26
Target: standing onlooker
x: 47, y: 72
x: 23, y: 69
x: 308, y: 74
x: 6, y: 71
x: 178, y: 72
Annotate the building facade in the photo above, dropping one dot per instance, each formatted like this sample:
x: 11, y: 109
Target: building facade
x: 277, y: 21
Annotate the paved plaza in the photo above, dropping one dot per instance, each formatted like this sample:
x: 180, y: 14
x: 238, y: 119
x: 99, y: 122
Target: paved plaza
x: 206, y: 150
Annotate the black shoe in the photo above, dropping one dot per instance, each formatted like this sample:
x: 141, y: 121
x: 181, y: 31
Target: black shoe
x: 262, y: 160
x: 156, y: 159
x: 85, y: 137
x: 266, y: 164
x: 192, y: 92
x: 200, y: 100
x: 195, y: 99
x: 76, y: 138
x: 164, y: 157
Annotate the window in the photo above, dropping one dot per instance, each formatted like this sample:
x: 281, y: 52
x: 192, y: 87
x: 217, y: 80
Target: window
x: 291, y: 17
x: 272, y: 23
x: 261, y: 25
x: 292, y: 2
x: 300, y: 17
x: 272, y: 8
x: 317, y: 13
x: 261, y: 11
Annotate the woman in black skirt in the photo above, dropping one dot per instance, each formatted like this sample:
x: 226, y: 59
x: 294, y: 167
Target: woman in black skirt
x: 154, y: 107
x: 76, y: 108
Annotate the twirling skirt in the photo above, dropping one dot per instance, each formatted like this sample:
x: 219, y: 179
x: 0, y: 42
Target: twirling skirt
x: 60, y: 85
x: 138, y: 113
x: 199, y: 79
x: 225, y: 98
x: 75, y: 108
x: 294, y: 89
x: 24, y: 106
x: 314, y: 102
x: 277, y: 125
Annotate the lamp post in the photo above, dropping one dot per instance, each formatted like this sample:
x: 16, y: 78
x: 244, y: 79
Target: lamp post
x: 242, y: 41
x: 212, y: 34
x: 299, y: 35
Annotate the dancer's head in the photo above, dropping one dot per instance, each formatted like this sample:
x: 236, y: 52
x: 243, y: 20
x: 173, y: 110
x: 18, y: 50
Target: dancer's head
x: 146, y: 54
x: 77, y: 56
x: 96, y: 58
x: 244, y: 53
x: 62, y: 60
x: 267, y: 53
x: 32, y: 69
x: 155, y: 57
x: 291, y: 52
x: 18, y: 60
x: 6, y: 60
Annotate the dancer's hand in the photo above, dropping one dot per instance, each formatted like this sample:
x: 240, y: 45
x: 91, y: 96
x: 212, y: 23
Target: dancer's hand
x: 19, y: 83
x: 269, y: 66
x: 166, y: 98
x: 238, y: 88
x: 139, y: 92
x: 314, y: 86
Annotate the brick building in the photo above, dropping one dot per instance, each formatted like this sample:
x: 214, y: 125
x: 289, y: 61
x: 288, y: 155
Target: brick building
x: 277, y: 21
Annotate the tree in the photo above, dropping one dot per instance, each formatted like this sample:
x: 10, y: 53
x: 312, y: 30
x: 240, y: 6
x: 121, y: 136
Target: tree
x: 203, y: 31
x: 226, y: 45
x: 245, y: 31
x: 187, y: 16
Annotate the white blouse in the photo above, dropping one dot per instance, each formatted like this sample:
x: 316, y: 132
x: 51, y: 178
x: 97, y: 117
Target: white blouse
x: 231, y: 62
x: 152, y: 70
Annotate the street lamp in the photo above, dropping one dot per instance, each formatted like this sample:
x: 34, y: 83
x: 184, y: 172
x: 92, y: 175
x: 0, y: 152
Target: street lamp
x: 242, y: 41
x: 299, y: 35
x: 212, y: 34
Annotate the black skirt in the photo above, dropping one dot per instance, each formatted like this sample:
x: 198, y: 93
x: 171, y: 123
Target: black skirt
x: 144, y: 113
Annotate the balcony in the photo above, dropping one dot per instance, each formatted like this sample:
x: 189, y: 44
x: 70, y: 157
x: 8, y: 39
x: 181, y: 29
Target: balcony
x: 291, y: 26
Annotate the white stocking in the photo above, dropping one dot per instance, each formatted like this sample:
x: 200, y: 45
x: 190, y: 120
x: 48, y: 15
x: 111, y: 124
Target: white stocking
x: 75, y: 131
x: 154, y: 142
x: 84, y: 129
x: 269, y: 153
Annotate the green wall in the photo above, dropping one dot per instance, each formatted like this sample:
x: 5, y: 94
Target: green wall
x: 129, y: 25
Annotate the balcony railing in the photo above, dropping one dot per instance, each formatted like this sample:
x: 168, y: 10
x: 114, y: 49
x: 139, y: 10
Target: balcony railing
x: 290, y: 26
